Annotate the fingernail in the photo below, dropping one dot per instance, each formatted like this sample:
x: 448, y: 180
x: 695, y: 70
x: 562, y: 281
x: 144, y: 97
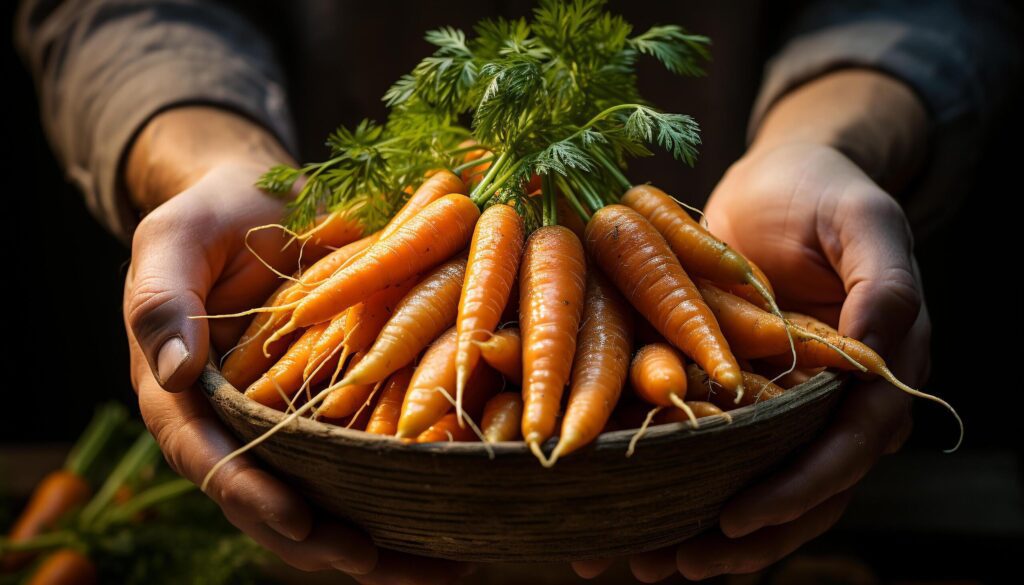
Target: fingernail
x: 284, y: 531
x: 172, y: 354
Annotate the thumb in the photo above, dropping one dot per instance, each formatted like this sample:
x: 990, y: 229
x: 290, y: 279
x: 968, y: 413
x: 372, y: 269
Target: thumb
x: 876, y: 263
x: 166, y: 286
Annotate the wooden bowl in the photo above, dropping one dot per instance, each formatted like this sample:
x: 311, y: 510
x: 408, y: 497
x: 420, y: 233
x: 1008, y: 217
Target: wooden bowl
x: 450, y: 500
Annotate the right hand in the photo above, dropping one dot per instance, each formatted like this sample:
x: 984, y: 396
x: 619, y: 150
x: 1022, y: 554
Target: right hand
x: 188, y: 258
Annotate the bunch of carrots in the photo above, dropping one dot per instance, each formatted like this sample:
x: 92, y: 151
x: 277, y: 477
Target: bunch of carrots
x: 514, y: 281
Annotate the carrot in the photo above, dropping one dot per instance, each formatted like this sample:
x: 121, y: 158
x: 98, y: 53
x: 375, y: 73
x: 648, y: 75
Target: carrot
x: 325, y: 347
x: 282, y: 380
x: 700, y: 410
x: 551, y: 288
x: 446, y: 429
x: 419, y: 318
x: 752, y: 331
x: 640, y: 263
x: 658, y: 376
x: 701, y: 253
x: 334, y: 230
x: 490, y: 271
x: 504, y: 352
x: 439, y: 184
x: 251, y: 357
x: 569, y: 218
x: 361, y: 417
x: 365, y: 320
x: 57, y: 494
x: 426, y: 239
x: 384, y: 420
x: 66, y: 566
x: 703, y: 389
x: 748, y: 292
x: 424, y: 404
x: 345, y: 399
x: 599, y: 368
x: 502, y: 415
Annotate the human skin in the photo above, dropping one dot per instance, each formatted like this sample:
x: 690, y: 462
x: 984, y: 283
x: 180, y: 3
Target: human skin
x: 193, y: 169
x: 810, y: 204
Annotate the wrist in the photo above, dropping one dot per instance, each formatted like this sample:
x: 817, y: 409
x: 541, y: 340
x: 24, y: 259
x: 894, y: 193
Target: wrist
x: 177, y: 147
x: 872, y: 118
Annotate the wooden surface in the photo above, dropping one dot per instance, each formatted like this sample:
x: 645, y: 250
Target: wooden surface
x: 449, y: 500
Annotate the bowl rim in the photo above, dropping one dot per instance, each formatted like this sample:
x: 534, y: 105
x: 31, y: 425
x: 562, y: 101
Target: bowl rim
x: 220, y: 391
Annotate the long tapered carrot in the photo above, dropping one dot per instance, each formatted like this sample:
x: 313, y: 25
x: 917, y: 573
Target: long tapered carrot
x: 552, y: 282
x: 250, y: 358
x: 284, y: 378
x: 503, y: 351
x: 502, y: 415
x: 66, y: 566
x: 494, y: 256
x: 424, y: 313
x: 423, y: 404
x: 439, y: 184
x: 384, y: 419
x: 335, y: 230
x: 423, y: 241
x: 57, y: 494
x: 345, y: 399
x: 702, y: 388
x: 445, y: 430
x: 600, y: 366
x: 365, y: 320
x: 326, y: 346
x: 641, y: 264
x: 702, y: 254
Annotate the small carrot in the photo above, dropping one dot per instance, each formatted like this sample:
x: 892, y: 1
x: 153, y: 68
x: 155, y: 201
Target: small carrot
x: 638, y: 260
x: 334, y: 230
x: 423, y: 241
x: 284, y: 378
x: 345, y: 399
x: 494, y: 256
x: 419, y: 318
x: 446, y: 429
x: 700, y: 410
x: 552, y: 282
x: 752, y: 331
x: 57, y: 494
x: 600, y: 366
x: 365, y: 320
x: 658, y: 375
x: 702, y: 388
x: 65, y: 566
x: 384, y: 420
x: 502, y: 415
x: 326, y: 346
x: 504, y: 352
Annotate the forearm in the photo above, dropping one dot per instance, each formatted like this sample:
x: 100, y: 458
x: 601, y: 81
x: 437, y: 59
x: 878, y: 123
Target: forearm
x: 872, y: 118
x: 180, y: 145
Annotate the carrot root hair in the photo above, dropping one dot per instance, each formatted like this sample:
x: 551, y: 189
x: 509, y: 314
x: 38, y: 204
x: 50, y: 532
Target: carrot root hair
x: 472, y: 425
x: 539, y: 454
x: 274, y: 309
x: 676, y: 400
x: 642, y: 430
x: 260, y: 259
x: 892, y: 379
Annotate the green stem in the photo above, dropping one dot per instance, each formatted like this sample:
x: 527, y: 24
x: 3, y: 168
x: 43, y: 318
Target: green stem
x: 468, y: 165
x: 613, y: 169
x: 550, y: 213
x: 141, y: 453
x: 485, y: 196
x: 106, y: 420
x: 573, y: 201
x: 491, y: 172
x: 60, y: 538
x: 594, y: 200
x: 146, y: 499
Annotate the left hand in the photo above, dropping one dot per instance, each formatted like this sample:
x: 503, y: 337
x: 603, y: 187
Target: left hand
x: 835, y: 246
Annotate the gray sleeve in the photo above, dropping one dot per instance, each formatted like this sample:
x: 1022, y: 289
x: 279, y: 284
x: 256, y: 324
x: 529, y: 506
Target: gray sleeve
x: 960, y: 57
x: 103, y: 68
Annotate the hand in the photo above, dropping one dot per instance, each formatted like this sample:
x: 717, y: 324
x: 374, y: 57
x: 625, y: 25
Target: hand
x: 838, y: 247
x: 188, y: 258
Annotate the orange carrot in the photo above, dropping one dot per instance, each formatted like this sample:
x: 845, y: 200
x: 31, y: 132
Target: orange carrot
x: 552, y: 282
x: 502, y: 416
x: 326, y: 347
x: 491, y: 269
x: 599, y: 368
x: 57, y: 494
x: 446, y: 429
x: 658, y: 375
x: 702, y: 388
x: 345, y: 399
x: 702, y: 254
x: 426, y: 239
x: 640, y: 263
x: 504, y: 352
x: 752, y: 331
x: 384, y: 420
x: 700, y: 410
x: 364, y: 321
x: 335, y: 230
x: 285, y: 377
x: 441, y: 183
x: 420, y: 317
x: 66, y: 566
x: 424, y: 404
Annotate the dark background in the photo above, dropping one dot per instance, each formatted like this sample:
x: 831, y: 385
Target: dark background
x: 65, y: 351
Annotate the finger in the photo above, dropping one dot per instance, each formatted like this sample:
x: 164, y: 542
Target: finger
x: 653, y: 566
x: 394, y: 568
x: 320, y: 550
x: 714, y: 554
x: 872, y: 252
x: 591, y: 568
x: 167, y: 284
